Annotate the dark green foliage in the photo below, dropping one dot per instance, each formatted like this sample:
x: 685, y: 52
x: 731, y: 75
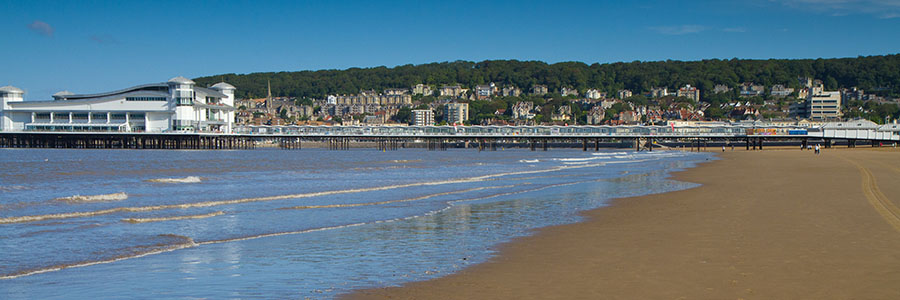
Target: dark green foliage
x: 403, y: 115
x: 872, y: 73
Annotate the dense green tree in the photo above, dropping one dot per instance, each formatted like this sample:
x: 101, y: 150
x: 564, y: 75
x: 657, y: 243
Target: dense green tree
x: 875, y: 74
x: 403, y: 115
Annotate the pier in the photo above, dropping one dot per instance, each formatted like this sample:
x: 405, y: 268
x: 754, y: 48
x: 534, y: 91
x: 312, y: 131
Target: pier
x: 482, y: 138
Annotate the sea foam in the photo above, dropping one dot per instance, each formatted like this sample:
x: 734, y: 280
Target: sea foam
x: 94, y: 198
x: 189, y: 179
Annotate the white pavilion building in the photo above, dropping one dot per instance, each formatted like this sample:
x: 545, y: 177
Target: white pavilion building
x: 174, y: 106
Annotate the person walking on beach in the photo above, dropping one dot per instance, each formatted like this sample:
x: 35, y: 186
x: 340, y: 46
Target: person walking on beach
x: 817, y: 149
x: 723, y: 148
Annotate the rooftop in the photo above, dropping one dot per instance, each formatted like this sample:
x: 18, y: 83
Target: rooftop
x: 11, y: 90
x: 181, y: 80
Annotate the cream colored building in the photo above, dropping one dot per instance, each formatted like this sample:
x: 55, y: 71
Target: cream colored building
x: 691, y: 92
x: 456, y: 113
x: 451, y: 91
x: 823, y: 105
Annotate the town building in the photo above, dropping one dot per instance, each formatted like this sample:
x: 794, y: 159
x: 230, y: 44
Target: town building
x: 539, y: 89
x: 803, y: 93
x: 396, y: 92
x: 624, y: 94
x: 823, y: 106
x: 721, y: 88
x: 568, y: 91
x: 608, y: 103
x: 456, y: 113
x: 176, y: 105
x: 780, y: 91
x: 522, y: 110
x: 853, y: 94
x: 421, y: 89
x: 629, y: 117
x: 485, y: 91
x: 398, y: 97
x: 422, y: 117
x: 453, y: 91
x: 594, y: 94
x: 749, y: 89
x: 690, y: 92
x: 563, y: 113
x: 596, y: 115
x: 511, y: 91
x: 659, y: 92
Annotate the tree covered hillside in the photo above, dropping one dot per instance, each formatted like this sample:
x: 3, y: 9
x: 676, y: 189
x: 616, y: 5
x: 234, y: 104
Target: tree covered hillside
x: 879, y: 74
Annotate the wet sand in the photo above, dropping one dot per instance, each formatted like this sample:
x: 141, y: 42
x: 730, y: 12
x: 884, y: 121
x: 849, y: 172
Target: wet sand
x: 773, y: 224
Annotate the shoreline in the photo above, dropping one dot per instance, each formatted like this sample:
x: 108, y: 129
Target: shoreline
x: 788, y: 224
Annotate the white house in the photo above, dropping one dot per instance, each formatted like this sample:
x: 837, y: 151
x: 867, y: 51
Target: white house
x: 176, y: 105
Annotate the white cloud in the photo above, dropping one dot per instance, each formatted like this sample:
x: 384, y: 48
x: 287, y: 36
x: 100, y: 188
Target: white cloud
x: 679, y: 29
x: 41, y: 28
x: 884, y: 9
x: 735, y: 29
x: 103, y: 39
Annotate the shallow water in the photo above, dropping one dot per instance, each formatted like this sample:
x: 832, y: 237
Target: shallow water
x: 286, y: 224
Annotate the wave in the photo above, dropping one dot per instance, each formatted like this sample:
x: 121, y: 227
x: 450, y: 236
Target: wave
x: 94, y: 198
x: 171, y: 242
x: 608, y: 153
x: 183, y: 242
x: 530, y: 161
x: 397, y: 201
x: 35, y: 218
x: 175, y: 218
x: 9, y: 188
x: 404, y: 161
x: 581, y: 159
x: 189, y: 179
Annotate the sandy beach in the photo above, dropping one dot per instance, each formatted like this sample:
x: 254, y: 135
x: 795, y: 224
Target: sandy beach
x: 773, y: 224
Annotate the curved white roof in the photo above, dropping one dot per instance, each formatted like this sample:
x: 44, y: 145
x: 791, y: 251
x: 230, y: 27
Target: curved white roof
x: 222, y: 86
x: 11, y: 90
x: 63, y: 93
x: 181, y: 80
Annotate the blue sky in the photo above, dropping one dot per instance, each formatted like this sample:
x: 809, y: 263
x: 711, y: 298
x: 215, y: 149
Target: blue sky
x: 97, y: 46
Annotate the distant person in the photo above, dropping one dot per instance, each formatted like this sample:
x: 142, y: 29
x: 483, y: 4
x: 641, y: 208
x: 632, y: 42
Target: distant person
x: 723, y: 148
x: 732, y: 147
x: 817, y: 149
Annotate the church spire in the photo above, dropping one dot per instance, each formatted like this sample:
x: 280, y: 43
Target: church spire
x: 269, y: 103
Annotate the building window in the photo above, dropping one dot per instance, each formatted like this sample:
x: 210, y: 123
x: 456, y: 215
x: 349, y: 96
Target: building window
x: 98, y: 116
x: 145, y: 98
x: 184, y: 101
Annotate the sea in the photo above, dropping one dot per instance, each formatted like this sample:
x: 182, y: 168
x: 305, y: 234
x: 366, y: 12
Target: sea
x: 288, y: 224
